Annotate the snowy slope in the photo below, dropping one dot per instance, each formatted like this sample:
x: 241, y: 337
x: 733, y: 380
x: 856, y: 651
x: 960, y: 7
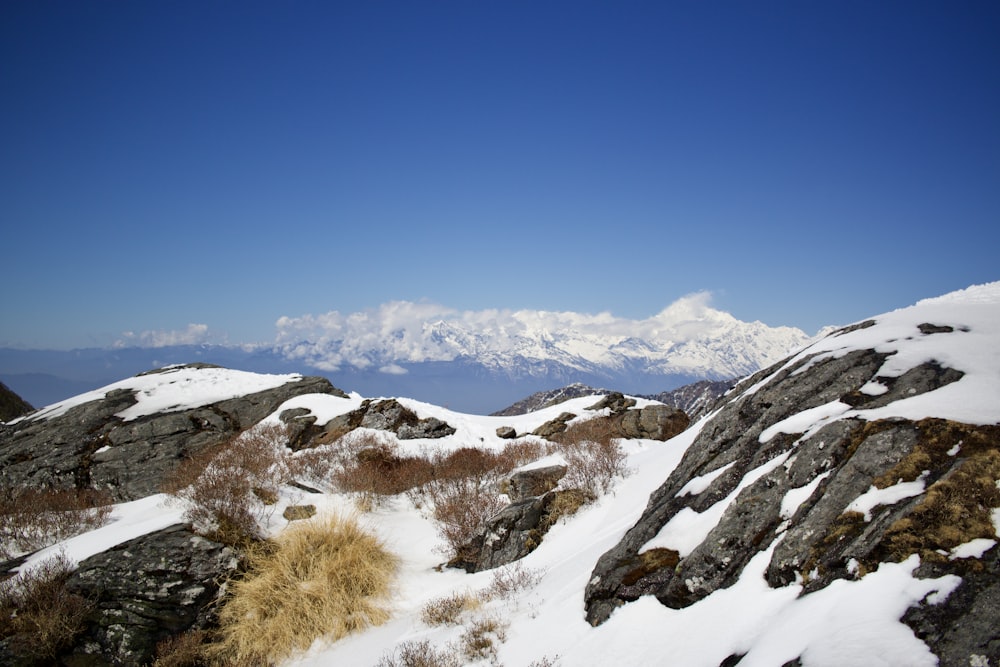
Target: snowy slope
x: 847, y: 623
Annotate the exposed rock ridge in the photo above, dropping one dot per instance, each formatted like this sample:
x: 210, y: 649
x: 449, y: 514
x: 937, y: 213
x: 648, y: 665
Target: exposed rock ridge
x: 744, y: 463
x: 91, y: 447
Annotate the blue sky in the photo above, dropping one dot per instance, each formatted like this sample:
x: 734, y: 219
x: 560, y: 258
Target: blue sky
x: 227, y: 164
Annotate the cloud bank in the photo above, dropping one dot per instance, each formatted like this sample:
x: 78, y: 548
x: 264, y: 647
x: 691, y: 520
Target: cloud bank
x: 194, y: 334
x: 401, y: 332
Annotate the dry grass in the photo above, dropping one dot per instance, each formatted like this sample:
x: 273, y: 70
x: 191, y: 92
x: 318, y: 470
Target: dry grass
x: 510, y: 580
x: 419, y: 654
x: 481, y: 638
x: 956, y: 509
x: 323, y: 578
x: 33, y: 519
x: 40, y: 617
x: 448, y: 610
x: 184, y: 650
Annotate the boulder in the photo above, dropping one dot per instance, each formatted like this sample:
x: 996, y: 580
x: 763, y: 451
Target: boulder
x: 506, y: 432
x: 615, y: 401
x: 299, y: 512
x: 518, y: 529
x: 146, y: 590
x: 554, y: 427
x: 534, y: 482
x: 653, y: 422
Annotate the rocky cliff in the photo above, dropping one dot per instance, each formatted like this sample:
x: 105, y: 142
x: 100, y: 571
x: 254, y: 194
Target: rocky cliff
x: 850, y: 455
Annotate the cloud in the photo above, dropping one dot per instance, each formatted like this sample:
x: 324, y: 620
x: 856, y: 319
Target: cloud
x: 194, y: 334
x: 405, y: 332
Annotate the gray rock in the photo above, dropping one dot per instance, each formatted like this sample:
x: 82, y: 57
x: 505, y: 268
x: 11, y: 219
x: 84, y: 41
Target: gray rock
x: 553, y: 427
x: 90, y: 447
x: 387, y: 415
x: 615, y: 402
x: 506, y: 432
x: 146, y: 590
x: 818, y: 539
x: 653, y: 422
x: 299, y: 512
x: 534, y: 482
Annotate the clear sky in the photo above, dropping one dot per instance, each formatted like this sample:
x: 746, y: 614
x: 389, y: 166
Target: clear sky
x: 229, y: 163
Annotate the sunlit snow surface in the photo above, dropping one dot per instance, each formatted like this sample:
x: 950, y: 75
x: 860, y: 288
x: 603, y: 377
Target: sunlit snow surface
x: 178, y: 388
x: 849, y: 623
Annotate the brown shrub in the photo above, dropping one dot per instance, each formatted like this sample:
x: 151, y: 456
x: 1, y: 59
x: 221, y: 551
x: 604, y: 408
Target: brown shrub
x: 510, y: 580
x: 594, y: 457
x: 480, y: 639
x: 32, y: 519
x: 231, y: 487
x: 40, y: 617
x: 419, y: 654
x: 184, y: 650
x: 448, y: 610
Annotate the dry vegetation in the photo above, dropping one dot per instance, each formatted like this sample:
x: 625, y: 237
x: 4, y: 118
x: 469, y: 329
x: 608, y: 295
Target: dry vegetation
x: 39, y: 616
x: 231, y: 488
x: 593, y: 455
x: 321, y: 578
x: 33, y: 519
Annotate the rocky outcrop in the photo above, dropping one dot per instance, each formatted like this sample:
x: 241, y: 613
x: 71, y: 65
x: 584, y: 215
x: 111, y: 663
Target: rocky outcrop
x: 745, y: 461
x: 91, y: 447
x: 387, y: 415
x: 534, y: 482
x: 554, y: 427
x: 517, y: 530
x: 145, y: 591
x: 653, y: 422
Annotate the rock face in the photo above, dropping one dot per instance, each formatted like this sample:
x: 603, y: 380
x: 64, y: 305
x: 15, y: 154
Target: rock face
x: 748, y: 459
x: 91, y: 447
x: 387, y: 415
x: 146, y: 590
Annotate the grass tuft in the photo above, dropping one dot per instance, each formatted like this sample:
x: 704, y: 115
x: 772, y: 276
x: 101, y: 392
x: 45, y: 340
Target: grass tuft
x: 322, y: 578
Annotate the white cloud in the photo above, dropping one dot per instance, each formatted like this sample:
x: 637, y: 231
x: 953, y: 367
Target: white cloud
x: 400, y: 332
x: 194, y: 334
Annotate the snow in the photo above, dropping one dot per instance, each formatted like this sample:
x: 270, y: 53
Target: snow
x: 128, y: 521
x: 688, y: 528
x: 849, y: 623
x: 702, y: 482
x: 973, y: 548
x: 891, y: 495
x: 176, y: 388
x: 795, y: 497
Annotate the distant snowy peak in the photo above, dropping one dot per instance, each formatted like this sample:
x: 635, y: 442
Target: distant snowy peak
x: 689, y: 337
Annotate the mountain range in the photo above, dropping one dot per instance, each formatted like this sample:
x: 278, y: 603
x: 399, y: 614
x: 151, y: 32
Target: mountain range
x: 471, y: 361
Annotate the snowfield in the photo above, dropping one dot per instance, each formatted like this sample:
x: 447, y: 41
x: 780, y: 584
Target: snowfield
x: 848, y: 623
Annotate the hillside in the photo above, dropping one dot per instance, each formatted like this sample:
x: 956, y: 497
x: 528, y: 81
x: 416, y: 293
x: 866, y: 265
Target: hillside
x: 840, y: 507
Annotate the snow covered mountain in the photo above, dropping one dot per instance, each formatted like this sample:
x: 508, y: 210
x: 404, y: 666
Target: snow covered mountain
x: 474, y: 361
x: 688, y: 338
x: 839, y: 508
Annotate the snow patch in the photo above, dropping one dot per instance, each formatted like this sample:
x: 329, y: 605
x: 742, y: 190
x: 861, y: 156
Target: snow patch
x: 891, y: 495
